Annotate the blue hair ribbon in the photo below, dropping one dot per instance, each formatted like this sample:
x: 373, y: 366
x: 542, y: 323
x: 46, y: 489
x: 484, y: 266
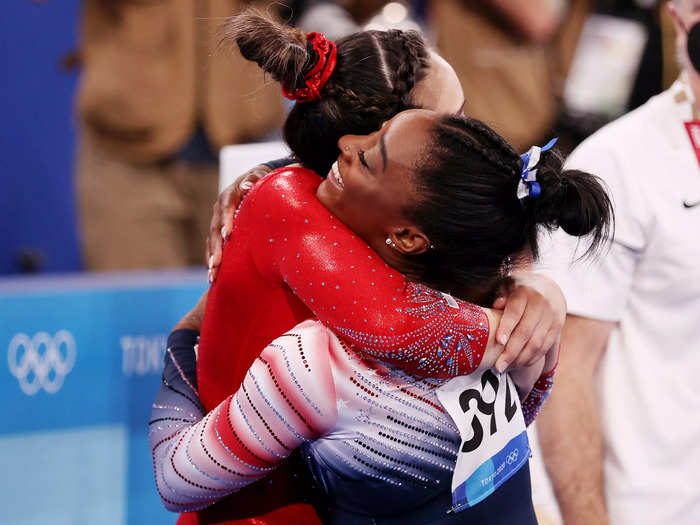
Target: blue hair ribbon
x: 528, y: 185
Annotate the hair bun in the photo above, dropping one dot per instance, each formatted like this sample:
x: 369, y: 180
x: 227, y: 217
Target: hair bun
x: 574, y: 200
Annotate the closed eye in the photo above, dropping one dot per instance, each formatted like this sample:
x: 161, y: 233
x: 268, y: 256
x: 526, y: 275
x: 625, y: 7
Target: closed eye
x: 361, y: 156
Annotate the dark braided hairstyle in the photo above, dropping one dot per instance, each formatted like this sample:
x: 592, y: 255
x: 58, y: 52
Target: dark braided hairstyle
x: 374, y: 76
x: 467, y: 205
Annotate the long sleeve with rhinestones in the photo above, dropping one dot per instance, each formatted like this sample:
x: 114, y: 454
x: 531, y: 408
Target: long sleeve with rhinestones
x: 289, y: 259
x: 308, y: 388
x: 538, y: 395
x: 177, y: 406
x: 286, y: 399
x: 353, y: 291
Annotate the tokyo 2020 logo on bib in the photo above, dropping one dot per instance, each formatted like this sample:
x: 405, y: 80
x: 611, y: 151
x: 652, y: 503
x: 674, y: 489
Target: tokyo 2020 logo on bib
x: 42, y: 361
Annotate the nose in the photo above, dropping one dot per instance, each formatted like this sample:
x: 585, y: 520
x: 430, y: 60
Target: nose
x: 347, y: 145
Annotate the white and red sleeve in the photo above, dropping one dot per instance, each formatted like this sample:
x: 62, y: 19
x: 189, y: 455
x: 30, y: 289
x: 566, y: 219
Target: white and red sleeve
x: 287, y: 398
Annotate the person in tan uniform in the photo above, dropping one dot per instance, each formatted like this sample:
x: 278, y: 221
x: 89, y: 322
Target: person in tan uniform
x: 156, y: 101
x: 512, y: 57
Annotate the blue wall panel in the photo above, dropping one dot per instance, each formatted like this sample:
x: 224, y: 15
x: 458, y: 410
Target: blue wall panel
x: 77, y: 450
x: 37, y: 135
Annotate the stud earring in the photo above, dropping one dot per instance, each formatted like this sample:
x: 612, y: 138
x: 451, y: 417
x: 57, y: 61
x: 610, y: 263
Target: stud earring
x: 389, y: 242
x: 507, y: 267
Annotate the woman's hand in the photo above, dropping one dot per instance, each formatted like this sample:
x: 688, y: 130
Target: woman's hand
x: 533, y: 316
x: 222, y: 216
x: 193, y: 318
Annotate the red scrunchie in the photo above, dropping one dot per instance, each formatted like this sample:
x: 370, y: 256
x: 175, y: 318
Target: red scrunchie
x: 319, y: 74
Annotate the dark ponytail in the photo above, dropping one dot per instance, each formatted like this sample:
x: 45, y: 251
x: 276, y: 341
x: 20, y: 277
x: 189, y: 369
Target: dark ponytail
x: 573, y: 200
x: 278, y: 49
x: 373, y: 79
x: 467, y: 205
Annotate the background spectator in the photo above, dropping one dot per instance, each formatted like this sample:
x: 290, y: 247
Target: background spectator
x: 619, y: 431
x: 156, y: 102
x: 511, y: 56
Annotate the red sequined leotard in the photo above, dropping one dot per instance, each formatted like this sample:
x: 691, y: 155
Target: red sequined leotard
x: 289, y: 259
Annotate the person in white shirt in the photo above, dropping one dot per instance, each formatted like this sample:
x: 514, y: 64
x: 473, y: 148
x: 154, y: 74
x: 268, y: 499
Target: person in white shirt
x: 621, y: 432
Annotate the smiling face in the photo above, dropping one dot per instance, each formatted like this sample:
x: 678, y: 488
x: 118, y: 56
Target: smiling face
x: 371, y: 184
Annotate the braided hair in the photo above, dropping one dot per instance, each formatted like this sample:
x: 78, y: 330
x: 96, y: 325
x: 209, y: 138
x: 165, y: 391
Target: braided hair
x: 467, y: 204
x: 374, y: 76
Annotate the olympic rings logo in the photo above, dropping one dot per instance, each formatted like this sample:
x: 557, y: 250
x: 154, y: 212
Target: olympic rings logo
x: 41, y: 361
x: 512, y: 456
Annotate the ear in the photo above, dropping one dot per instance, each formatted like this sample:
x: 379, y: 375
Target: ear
x: 409, y: 240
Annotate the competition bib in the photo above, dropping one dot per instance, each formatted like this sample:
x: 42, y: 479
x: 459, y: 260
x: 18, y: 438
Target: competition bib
x: 486, y: 409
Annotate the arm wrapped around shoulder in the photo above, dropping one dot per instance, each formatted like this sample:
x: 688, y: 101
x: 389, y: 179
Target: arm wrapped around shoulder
x: 287, y: 398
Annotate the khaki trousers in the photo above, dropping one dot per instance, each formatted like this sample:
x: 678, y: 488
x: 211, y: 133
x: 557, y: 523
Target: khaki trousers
x: 136, y: 216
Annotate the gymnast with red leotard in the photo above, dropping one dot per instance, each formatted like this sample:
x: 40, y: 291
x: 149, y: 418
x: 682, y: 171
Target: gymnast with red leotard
x: 432, y: 339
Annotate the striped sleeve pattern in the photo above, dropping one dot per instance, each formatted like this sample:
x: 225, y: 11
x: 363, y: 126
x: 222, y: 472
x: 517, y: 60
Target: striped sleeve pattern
x: 287, y: 398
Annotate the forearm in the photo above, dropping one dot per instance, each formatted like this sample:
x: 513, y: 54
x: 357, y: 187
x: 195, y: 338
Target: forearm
x: 569, y: 427
x: 533, y: 403
x: 572, y: 444
x: 187, y: 475
x: 177, y: 403
x: 206, y: 461
x: 193, y: 319
x: 251, y: 432
x: 177, y: 406
x: 493, y: 348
